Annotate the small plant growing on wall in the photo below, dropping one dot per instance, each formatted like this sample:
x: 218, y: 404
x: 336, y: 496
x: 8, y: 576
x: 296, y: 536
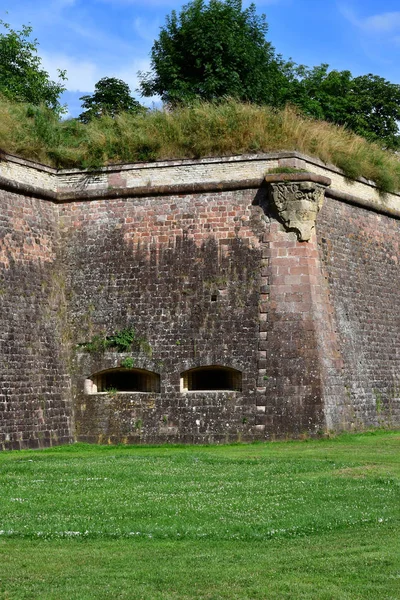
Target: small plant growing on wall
x: 128, y: 363
x: 121, y: 341
x: 111, y: 391
x: 279, y: 170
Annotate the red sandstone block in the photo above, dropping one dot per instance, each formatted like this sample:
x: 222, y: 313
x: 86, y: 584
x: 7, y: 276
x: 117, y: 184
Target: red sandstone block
x: 273, y: 253
x: 314, y: 280
x: 297, y: 270
x: 295, y: 279
x: 266, y: 237
x: 301, y: 250
x: 286, y: 261
x: 303, y: 261
x: 283, y: 244
x: 278, y: 281
x: 283, y: 272
x: 274, y: 304
x: 279, y: 290
x: 274, y: 269
x: 275, y: 227
x: 304, y: 306
x: 293, y: 297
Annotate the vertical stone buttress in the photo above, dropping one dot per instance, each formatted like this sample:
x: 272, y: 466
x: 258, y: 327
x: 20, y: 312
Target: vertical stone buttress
x: 299, y: 385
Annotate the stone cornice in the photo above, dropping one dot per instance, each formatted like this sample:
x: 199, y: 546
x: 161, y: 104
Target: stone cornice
x: 189, y: 176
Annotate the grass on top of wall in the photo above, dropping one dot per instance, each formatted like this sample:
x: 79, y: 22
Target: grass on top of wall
x: 205, y: 129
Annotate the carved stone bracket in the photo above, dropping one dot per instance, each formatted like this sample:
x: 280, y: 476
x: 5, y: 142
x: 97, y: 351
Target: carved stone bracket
x: 297, y: 203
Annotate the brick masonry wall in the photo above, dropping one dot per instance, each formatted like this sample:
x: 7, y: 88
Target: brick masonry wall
x: 205, y: 278
x: 35, y: 408
x: 301, y: 364
x: 184, y: 271
x: 359, y: 251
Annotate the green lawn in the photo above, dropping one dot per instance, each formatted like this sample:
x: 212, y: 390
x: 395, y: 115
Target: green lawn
x: 316, y: 519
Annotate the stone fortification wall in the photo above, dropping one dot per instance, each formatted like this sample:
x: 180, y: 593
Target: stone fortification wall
x: 359, y: 251
x: 212, y: 264
x: 184, y: 272
x: 35, y: 406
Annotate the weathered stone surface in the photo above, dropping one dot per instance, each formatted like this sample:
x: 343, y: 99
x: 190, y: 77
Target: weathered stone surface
x: 297, y: 205
x: 184, y: 272
x: 360, y: 253
x: 207, y: 275
x: 35, y: 395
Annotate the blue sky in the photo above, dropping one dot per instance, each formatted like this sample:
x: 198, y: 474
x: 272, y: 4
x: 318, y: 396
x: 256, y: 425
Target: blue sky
x: 113, y: 38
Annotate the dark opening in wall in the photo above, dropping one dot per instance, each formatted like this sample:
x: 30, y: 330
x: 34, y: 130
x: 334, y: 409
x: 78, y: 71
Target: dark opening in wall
x: 211, y: 378
x: 123, y: 380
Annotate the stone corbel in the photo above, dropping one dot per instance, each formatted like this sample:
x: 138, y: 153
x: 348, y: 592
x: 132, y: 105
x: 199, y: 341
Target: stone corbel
x: 297, y: 198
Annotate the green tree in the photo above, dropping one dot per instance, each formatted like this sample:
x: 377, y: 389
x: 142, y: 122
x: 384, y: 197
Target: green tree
x: 375, y: 110
x: 369, y: 105
x: 111, y: 96
x: 21, y: 77
x: 214, y: 50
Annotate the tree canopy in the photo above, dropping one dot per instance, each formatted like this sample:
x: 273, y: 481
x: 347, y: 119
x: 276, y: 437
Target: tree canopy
x: 211, y: 51
x: 21, y: 77
x: 111, y: 96
x: 216, y: 49
x: 368, y: 105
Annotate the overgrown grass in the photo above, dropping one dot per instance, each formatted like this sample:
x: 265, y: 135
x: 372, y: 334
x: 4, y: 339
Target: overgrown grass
x: 202, y: 130
x: 316, y: 520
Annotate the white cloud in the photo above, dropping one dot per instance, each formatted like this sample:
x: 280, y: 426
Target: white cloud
x: 60, y: 4
x: 129, y: 73
x: 82, y: 75
x: 172, y: 4
x: 382, y: 23
x: 387, y: 22
x: 147, y: 30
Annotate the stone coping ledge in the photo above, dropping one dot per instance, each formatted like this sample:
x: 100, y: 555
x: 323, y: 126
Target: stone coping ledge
x: 119, y: 167
x: 25, y: 162
x: 364, y: 203
x: 294, y: 177
x: 193, y: 188
x: 27, y: 190
x: 173, y: 162
x: 159, y: 190
x: 240, y: 172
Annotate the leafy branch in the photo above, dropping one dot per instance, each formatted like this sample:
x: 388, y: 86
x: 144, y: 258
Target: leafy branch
x: 121, y: 341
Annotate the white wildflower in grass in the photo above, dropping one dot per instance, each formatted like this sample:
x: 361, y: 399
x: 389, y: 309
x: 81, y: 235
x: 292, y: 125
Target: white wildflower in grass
x: 222, y: 497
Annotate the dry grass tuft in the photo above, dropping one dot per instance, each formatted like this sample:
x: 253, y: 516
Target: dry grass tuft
x: 203, y: 129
